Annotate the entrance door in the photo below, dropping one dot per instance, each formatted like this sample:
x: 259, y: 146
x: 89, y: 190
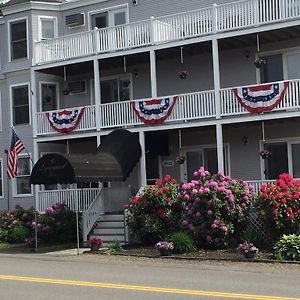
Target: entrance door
x: 277, y: 163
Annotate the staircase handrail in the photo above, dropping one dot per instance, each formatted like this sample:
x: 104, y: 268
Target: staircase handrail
x: 92, y: 214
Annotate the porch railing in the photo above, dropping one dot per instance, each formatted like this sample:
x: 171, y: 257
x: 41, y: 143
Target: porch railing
x: 188, y: 107
x: 88, y: 121
x: 92, y: 214
x: 225, y: 17
x: 69, y: 196
x: 230, y: 105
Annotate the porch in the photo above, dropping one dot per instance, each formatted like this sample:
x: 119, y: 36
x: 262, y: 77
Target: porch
x: 224, y: 18
x: 189, y: 107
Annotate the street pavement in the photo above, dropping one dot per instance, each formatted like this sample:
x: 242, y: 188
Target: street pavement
x: 64, y: 275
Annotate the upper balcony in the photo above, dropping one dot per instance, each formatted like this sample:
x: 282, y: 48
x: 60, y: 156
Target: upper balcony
x: 208, y: 21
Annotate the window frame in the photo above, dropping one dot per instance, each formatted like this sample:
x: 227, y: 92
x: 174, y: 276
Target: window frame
x: 40, y: 27
x: 109, y: 10
x: 40, y: 94
x: 11, y: 87
x: 10, y: 59
x: 2, y: 183
x: 15, y: 190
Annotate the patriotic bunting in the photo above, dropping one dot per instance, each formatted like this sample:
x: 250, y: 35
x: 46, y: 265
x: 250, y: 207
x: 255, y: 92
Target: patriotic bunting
x: 66, y: 120
x: 260, y: 98
x: 154, y: 112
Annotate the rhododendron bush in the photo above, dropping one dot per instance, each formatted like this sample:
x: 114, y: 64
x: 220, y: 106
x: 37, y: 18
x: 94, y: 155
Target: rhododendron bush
x: 216, y: 207
x: 156, y: 212
x: 279, y: 206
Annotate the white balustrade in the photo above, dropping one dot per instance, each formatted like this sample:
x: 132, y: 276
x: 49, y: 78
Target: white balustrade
x: 188, y: 107
x: 225, y: 17
x: 231, y: 106
x: 87, y: 122
x: 69, y: 197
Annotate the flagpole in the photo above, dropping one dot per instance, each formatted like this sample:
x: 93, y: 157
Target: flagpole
x: 8, y: 206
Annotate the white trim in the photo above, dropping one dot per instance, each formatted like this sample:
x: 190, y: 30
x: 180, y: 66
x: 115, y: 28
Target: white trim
x: 15, y: 195
x: 11, y: 103
x: 42, y: 18
x: 1, y: 170
x: 56, y: 83
x: 9, y: 38
x: 108, y: 10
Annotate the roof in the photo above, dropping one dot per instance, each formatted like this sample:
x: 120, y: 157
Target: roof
x: 14, y: 2
x: 114, y: 160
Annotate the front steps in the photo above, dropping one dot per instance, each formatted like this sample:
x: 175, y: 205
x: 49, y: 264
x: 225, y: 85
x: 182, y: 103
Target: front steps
x: 110, y: 227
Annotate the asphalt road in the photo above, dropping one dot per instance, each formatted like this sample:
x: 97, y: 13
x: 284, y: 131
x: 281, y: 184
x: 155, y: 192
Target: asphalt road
x: 37, y: 276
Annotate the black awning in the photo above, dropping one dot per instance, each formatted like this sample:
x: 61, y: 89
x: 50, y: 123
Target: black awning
x: 114, y: 160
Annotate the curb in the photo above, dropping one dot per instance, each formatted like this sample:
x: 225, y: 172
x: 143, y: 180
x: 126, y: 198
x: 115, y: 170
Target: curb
x: 271, y: 261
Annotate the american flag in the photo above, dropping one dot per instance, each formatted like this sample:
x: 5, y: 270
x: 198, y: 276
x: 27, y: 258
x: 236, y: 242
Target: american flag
x: 16, y: 147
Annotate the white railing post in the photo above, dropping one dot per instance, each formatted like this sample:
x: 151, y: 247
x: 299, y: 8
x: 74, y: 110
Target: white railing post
x: 153, y: 74
x: 96, y: 40
x: 143, y: 177
x: 220, y: 147
x: 256, y: 12
x: 152, y: 30
x: 214, y: 18
x: 216, y: 70
x: 97, y: 91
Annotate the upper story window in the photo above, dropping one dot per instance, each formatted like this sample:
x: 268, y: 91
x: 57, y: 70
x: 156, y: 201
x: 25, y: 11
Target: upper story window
x: 49, y: 95
x: 18, y: 39
x: 47, y: 28
x: 20, y: 104
x: 109, y: 18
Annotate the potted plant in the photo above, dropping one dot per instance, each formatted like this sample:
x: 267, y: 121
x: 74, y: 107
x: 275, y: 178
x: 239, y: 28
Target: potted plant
x: 265, y: 154
x: 95, y: 243
x: 180, y: 159
x: 248, y: 249
x: 183, y: 74
x: 165, y: 248
x: 259, y: 62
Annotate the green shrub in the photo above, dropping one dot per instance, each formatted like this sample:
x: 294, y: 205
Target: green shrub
x: 156, y: 212
x: 183, y: 243
x: 18, y: 234
x: 115, y: 247
x: 288, y: 247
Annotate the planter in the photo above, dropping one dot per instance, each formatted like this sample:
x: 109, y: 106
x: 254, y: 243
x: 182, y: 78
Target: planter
x: 180, y: 159
x: 183, y: 74
x: 165, y: 252
x: 95, y: 247
x: 250, y: 254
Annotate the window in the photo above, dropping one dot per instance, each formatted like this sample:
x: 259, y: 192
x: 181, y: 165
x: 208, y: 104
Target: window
x: 1, y: 178
x: 273, y: 69
x: 109, y: 18
x: 116, y: 89
x: 47, y: 28
x: 23, y: 186
x: 20, y: 104
x: 18, y: 39
x: 49, y: 96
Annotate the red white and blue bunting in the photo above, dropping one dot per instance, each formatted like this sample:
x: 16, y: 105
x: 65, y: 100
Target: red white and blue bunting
x: 260, y: 98
x: 66, y: 120
x: 154, y: 112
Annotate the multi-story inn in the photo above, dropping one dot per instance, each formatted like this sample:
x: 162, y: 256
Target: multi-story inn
x: 224, y: 77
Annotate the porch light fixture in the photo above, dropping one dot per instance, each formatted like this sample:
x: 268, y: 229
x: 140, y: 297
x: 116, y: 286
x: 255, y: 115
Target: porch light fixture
x: 245, y: 140
x: 135, y: 2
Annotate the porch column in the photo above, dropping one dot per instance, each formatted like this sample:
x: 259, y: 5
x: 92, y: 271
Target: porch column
x: 220, y: 150
x: 153, y: 74
x: 216, y: 70
x: 33, y: 97
x: 97, y: 87
x: 143, y: 176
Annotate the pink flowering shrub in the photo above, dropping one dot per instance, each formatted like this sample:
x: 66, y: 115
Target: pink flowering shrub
x: 279, y: 206
x: 156, y: 212
x: 216, y: 207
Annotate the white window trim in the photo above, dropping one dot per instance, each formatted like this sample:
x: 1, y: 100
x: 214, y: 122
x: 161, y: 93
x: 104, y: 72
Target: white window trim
x: 289, y: 141
x: 15, y: 195
x: 1, y: 170
x: 11, y: 103
x: 9, y: 38
x: 40, y: 94
x: 40, y: 19
x: 108, y: 9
